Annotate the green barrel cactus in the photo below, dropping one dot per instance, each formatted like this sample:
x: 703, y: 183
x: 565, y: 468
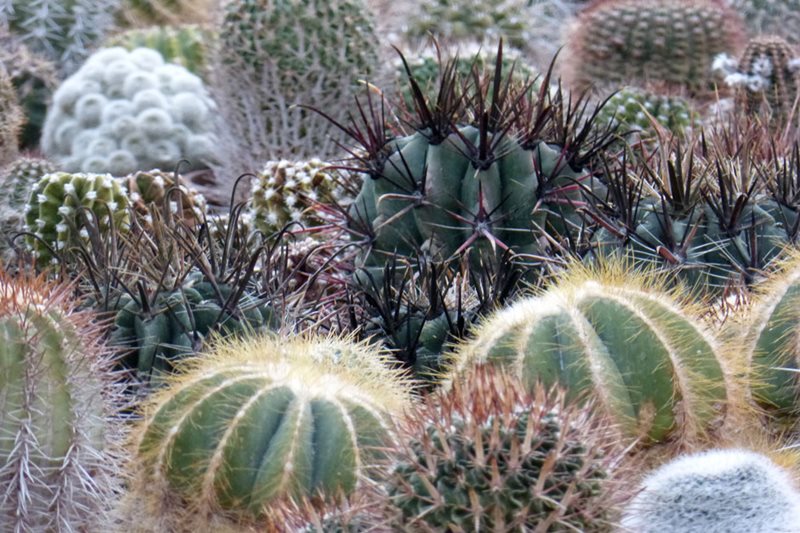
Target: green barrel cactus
x: 488, y: 456
x: 64, y: 31
x: 140, y: 13
x: 149, y: 190
x: 669, y: 41
x: 292, y: 191
x: 57, y: 433
x: 654, y: 369
x: 771, y: 17
x: 127, y: 111
x: 261, y: 420
x: 61, y: 204
x: 633, y: 110
x: 186, y: 46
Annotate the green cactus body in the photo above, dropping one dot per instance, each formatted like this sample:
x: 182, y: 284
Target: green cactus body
x: 54, y: 438
x: 632, y: 109
x: 58, y: 205
x: 147, y: 190
x: 186, y: 46
x: 671, y: 41
x: 655, y: 370
x: 15, y: 188
x: 287, y: 191
x: 140, y: 13
x: 263, y: 419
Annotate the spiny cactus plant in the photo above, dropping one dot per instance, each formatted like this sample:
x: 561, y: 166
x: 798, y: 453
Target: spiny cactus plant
x: 717, y: 490
x: 770, y: 17
x: 58, y: 443
x: 61, y: 205
x: 154, y: 189
x: 16, y: 183
x: 127, y: 111
x: 261, y: 420
x: 11, y: 119
x: 293, y: 191
x: 185, y: 45
x: 140, y: 13
x: 489, y: 456
x: 671, y: 41
x: 654, y: 368
x: 314, y: 55
x: 634, y: 109
x: 63, y: 30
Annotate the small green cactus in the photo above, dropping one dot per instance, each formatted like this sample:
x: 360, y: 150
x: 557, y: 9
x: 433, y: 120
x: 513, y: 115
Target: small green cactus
x: 148, y: 190
x: 633, y: 109
x: 60, y: 204
x: 488, y: 456
x: 186, y: 46
x: 655, y: 370
x: 261, y: 420
x: 670, y: 41
x: 57, y: 429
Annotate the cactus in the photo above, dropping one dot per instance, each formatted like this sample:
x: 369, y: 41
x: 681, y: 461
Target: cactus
x: 717, y: 490
x: 11, y: 119
x: 287, y: 191
x: 140, y: 13
x: 61, y: 204
x: 671, y: 41
x: 64, y: 31
x: 314, y: 55
x: 186, y: 46
x: 488, y: 456
x: 57, y: 445
x: 261, y: 420
x: 34, y: 78
x: 656, y: 371
x: 633, y: 109
x: 770, y: 17
x: 16, y: 183
x: 148, y: 190
x: 127, y: 111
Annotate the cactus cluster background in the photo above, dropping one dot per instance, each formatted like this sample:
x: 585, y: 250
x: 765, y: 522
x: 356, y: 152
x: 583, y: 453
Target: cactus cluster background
x: 399, y: 265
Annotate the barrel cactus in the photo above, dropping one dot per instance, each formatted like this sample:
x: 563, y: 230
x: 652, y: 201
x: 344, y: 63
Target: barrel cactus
x: 64, y: 31
x: 127, y: 111
x: 653, y: 367
x: 61, y: 204
x: 186, y: 45
x: 258, y: 421
x: 11, y: 119
x: 716, y: 490
x: 151, y: 190
x: 16, y: 183
x: 633, y: 109
x: 670, y: 41
x: 489, y: 456
x: 58, y: 440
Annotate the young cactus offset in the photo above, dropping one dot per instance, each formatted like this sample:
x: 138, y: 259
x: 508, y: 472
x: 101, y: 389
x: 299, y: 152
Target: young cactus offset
x: 258, y: 421
x: 57, y: 438
x: 722, y: 491
x: 489, y: 456
x: 653, y: 368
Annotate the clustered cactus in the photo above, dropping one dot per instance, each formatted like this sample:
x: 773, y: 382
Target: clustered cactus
x: 126, y: 111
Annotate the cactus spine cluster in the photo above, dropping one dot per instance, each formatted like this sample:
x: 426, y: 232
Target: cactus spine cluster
x: 717, y: 490
x: 488, y: 456
x: 260, y: 420
x: 654, y: 369
x: 671, y: 41
x: 57, y: 455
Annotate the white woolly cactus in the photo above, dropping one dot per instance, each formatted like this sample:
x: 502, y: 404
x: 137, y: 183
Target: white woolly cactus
x: 126, y: 111
x: 718, y: 491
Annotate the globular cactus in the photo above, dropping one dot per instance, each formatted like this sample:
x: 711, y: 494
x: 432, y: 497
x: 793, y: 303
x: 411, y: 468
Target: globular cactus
x: 670, y: 41
x: 717, y: 490
x: 64, y: 31
x: 489, y: 456
x: 185, y: 45
x: 150, y: 190
x: 16, y: 183
x: 654, y: 368
x: 61, y: 204
x: 767, y: 78
x: 315, y: 55
x: 288, y: 191
x: 770, y: 17
x: 127, y: 111
x: 58, y: 455
x: 140, y: 13
x: 260, y: 421
x: 11, y: 119
x: 633, y: 109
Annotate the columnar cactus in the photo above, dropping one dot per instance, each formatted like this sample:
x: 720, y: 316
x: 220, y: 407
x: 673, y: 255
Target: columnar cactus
x: 717, y: 490
x: 63, y: 30
x: 260, y: 420
x: 488, y: 456
x: 672, y: 41
x: 655, y: 370
x: 186, y: 45
x: 57, y: 444
x: 11, y: 119
x: 60, y: 205
x: 127, y: 111
x: 314, y: 54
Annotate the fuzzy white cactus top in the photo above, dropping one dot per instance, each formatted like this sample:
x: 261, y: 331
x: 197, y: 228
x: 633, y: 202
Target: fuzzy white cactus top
x: 718, y: 491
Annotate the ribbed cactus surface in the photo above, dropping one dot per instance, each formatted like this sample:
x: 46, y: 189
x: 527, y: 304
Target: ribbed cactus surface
x: 263, y: 419
x: 157, y: 190
x: 634, y: 109
x: 652, y: 366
